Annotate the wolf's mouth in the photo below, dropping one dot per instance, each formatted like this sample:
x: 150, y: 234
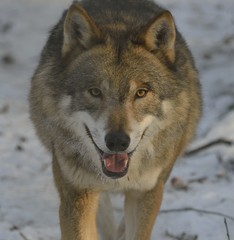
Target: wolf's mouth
x: 114, y: 165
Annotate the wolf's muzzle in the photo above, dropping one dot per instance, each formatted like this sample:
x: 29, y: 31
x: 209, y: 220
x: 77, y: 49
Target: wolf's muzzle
x: 116, y: 163
x: 117, y: 141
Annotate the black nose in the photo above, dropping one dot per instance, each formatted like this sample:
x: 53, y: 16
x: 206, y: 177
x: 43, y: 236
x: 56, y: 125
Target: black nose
x: 117, y: 141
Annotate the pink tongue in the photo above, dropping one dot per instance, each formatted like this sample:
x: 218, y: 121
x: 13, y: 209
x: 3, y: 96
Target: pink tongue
x: 115, y: 162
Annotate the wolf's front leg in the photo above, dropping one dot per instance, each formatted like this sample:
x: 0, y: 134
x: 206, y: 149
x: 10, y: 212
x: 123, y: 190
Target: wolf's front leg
x: 141, y: 210
x: 78, y: 215
x: 77, y: 208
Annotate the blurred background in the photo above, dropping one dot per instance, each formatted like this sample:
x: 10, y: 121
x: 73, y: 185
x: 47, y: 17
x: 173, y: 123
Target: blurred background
x: 203, y: 180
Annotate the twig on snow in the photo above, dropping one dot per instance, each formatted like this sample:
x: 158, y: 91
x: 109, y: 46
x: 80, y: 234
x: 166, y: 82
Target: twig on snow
x: 208, y: 145
x: 225, y: 222
x: 23, y: 236
x: 182, y: 236
x: 186, y: 209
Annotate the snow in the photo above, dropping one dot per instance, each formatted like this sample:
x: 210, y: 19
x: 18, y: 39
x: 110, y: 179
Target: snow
x: 28, y: 199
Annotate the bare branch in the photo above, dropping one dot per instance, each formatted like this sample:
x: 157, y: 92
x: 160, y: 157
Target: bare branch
x: 23, y: 236
x: 186, y: 209
x: 225, y: 222
x: 182, y: 236
x: 208, y: 145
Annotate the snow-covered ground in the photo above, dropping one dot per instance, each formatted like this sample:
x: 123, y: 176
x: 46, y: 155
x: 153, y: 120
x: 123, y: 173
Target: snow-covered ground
x: 202, y: 180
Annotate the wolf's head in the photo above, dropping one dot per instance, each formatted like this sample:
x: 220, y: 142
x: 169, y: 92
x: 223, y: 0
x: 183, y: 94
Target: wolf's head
x: 120, y: 84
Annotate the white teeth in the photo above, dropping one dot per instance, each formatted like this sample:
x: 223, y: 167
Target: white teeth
x: 104, y: 162
x: 125, y: 163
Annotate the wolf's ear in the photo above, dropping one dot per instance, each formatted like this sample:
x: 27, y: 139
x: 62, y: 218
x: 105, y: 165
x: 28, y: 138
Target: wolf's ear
x: 79, y: 29
x: 160, y: 35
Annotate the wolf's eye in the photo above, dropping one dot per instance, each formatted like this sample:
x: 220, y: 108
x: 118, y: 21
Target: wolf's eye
x: 95, y: 92
x: 142, y: 92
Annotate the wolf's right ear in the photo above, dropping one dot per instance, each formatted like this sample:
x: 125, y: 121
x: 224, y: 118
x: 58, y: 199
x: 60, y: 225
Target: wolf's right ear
x: 78, y: 30
x: 160, y: 34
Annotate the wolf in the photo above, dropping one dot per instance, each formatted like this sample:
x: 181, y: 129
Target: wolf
x: 115, y: 99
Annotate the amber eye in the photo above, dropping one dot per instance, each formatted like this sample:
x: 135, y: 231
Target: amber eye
x: 95, y: 92
x: 141, y: 92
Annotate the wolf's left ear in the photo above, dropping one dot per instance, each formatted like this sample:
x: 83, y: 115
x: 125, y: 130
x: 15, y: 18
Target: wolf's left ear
x: 79, y: 29
x: 160, y: 35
